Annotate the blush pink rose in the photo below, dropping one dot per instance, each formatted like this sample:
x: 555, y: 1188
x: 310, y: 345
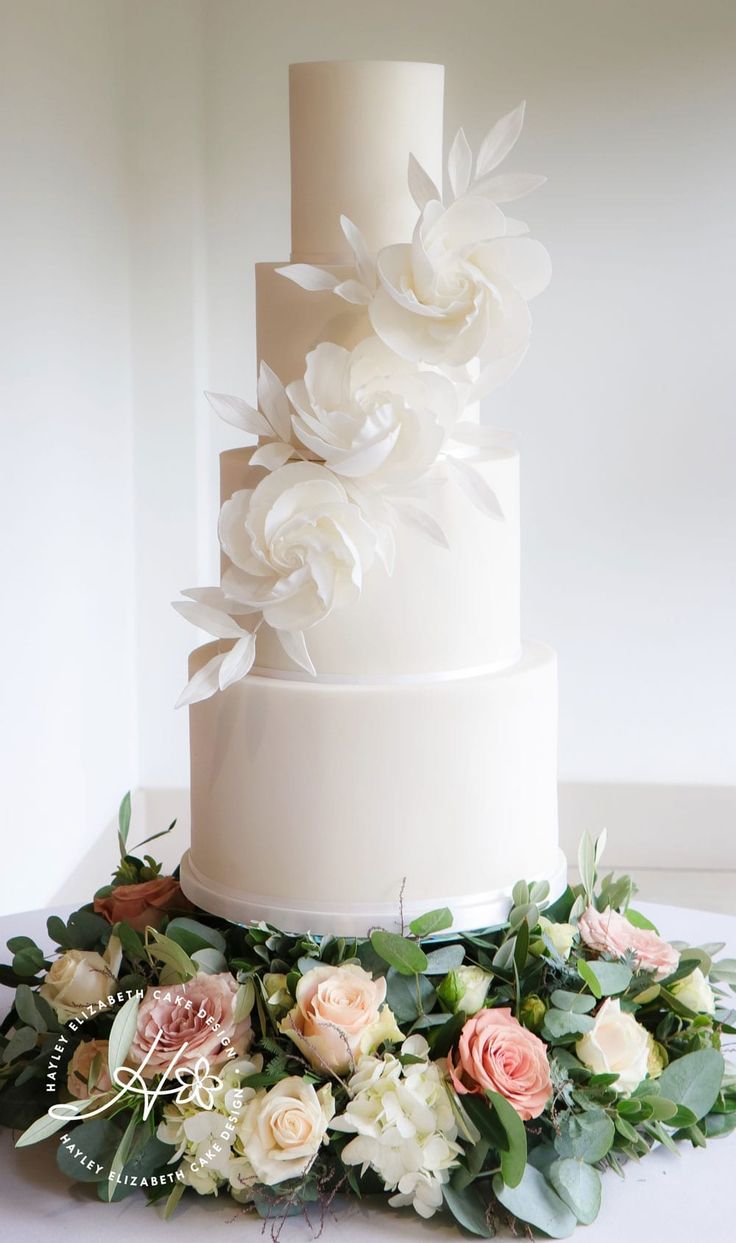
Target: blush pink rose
x: 194, y: 1020
x: 607, y: 932
x: 496, y: 1052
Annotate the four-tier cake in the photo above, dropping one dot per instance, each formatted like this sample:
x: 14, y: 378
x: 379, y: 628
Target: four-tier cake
x: 370, y: 736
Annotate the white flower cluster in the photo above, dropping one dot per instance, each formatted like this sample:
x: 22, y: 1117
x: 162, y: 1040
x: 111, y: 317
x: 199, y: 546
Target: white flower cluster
x: 350, y: 445
x: 404, y: 1126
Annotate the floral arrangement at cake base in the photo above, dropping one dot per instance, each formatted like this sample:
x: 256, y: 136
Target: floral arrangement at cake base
x: 493, y: 1076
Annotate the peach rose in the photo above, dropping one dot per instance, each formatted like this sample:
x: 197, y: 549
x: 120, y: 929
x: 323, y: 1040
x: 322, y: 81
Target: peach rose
x: 144, y: 904
x: 78, y: 1073
x: 338, y: 1016
x: 607, y: 932
x: 194, y: 1020
x: 496, y: 1052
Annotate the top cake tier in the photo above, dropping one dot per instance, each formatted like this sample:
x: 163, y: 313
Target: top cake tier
x: 353, y: 125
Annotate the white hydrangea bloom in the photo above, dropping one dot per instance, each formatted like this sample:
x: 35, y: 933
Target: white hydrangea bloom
x: 404, y: 1126
x: 206, y: 1140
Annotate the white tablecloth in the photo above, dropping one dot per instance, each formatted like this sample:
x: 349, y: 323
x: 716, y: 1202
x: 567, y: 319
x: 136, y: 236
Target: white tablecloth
x: 665, y: 1199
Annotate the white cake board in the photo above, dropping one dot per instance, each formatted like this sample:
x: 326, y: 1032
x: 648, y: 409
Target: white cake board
x: 470, y: 913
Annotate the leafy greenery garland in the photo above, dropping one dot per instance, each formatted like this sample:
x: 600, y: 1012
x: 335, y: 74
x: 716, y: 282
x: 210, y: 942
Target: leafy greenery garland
x: 545, y: 1173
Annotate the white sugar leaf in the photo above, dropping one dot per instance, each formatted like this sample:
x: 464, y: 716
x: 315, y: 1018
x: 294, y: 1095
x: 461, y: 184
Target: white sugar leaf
x: 295, y: 646
x: 216, y: 598
x: 238, y: 413
x: 515, y: 228
x: 209, y: 619
x: 238, y: 661
x: 272, y: 455
x: 421, y: 186
x: 420, y: 520
x: 482, y: 437
x: 475, y: 487
x: 494, y: 374
x: 460, y: 164
x: 273, y: 401
x: 204, y: 682
x: 499, y: 140
x: 508, y: 187
x: 353, y: 291
x: 364, y: 262
x: 309, y: 277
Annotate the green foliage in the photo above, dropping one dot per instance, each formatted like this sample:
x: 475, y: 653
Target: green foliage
x: 604, y: 979
x: 469, y: 1210
x: 432, y: 922
x: 399, y: 952
x: 694, y: 1081
x: 579, y: 1186
x: 586, y: 1136
x: 535, y: 1202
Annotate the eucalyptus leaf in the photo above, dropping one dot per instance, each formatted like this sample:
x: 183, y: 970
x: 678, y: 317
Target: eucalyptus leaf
x: 605, y: 979
x: 561, y: 1023
x: 579, y: 1003
x: 97, y: 1141
x: 442, y: 961
x: 585, y: 1137
x: 409, y: 996
x: 433, y: 921
x: 694, y: 1080
x: 469, y: 1210
x: 26, y: 1008
x: 535, y: 1202
x: 579, y: 1185
x: 22, y: 1041
x: 210, y: 961
x: 406, y: 956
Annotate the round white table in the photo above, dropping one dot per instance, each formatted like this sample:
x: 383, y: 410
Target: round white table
x: 664, y: 1199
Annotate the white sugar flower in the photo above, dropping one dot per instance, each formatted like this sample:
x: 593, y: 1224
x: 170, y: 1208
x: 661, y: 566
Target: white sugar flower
x: 299, y: 546
x: 404, y: 1126
x: 459, y: 289
x: 370, y: 414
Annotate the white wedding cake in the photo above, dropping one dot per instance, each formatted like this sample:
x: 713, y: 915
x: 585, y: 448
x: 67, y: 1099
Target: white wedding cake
x: 370, y: 738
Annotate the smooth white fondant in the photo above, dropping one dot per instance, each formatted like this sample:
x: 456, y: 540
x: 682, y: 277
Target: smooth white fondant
x: 441, y: 609
x: 319, y: 795
x: 353, y: 126
x: 474, y: 911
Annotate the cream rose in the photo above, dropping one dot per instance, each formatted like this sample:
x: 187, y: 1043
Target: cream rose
x: 459, y: 290
x: 616, y: 1044
x: 474, y: 983
x: 607, y: 932
x: 370, y: 414
x: 339, y: 1017
x: 78, y: 979
x: 282, y: 1129
x: 299, y: 546
x: 178, y: 1024
x: 695, y: 992
x: 81, y: 1065
x: 562, y: 936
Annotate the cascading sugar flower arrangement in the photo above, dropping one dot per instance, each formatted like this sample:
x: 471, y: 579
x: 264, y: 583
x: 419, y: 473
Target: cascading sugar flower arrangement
x: 348, y: 450
x: 491, y: 1076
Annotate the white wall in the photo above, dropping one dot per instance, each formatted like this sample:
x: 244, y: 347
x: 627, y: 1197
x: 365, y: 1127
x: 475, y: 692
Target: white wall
x: 149, y: 148
x: 68, y: 723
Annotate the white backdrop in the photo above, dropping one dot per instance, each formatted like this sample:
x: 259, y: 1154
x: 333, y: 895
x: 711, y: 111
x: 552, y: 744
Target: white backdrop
x: 144, y: 170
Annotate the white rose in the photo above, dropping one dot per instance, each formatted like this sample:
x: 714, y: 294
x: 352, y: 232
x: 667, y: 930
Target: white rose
x: 283, y: 1129
x: 299, y: 546
x: 79, y: 978
x: 459, y: 290
x: 695, y: 992
x: 369, y: 413
x: 561, y: 935
x: 616, y: 1044
x: 475, y: 983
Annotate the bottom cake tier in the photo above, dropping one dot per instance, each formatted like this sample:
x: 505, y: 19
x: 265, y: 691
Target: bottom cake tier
x: 334, y: 807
